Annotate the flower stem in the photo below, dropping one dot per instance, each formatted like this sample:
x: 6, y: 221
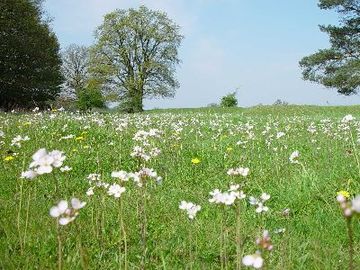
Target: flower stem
x: 81, y: 250
x: 351, y: 244
x: 238, y: 237
x: 122, y: 237
x: 190, y: 247
x: 19, y: 215
x: 27, y: 216
x: 222, y: 240
x: 143, y: 226
x: 59, y: 245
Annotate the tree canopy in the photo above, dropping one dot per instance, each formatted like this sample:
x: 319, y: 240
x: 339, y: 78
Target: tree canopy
x: 135, y: 55
x: 29, y: 56
x: 75, y: 68
x: 338, y: 66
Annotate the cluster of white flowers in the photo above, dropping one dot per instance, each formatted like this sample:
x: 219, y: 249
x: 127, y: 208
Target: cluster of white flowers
x: 122, y: 125
x: 116, y: 190
x: 259, y: 203
x: 349, y: 207
x: 18, y: 139
x: 44, y: 162
x: 140, y: 152
x: 95, y: 181
x: 238, y: 171
x: 145, y: 152
x: 190, y: 208
x: 254, y: 260
x: 227, y: 198
x: 294, y: 157
x: 112, y: 190
x: 64, y: 213
x: 347, y: 118
x: 143, y: 135
x: 137, y: 177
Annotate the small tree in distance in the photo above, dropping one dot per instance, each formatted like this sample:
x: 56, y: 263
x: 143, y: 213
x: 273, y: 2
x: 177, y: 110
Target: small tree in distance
x: 229, y: 100
x: 90, y: 97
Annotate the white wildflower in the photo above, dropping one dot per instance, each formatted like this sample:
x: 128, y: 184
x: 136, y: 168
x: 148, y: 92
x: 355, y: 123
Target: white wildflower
x: 355, y: 203
x: 116, y: 190
x: 254, y: 260
x: 190, y: 208
x: 294, y: 156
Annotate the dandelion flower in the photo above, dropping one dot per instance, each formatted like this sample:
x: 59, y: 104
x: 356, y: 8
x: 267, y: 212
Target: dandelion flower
x: 343, y: 193
x: 195, y: 161
x: 8, y: 158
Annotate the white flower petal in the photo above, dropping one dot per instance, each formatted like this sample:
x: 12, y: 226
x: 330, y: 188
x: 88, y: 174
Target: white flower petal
x: 248, y: 260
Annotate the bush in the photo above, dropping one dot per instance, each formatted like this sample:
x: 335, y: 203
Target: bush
x: 212, y: 105
x: 90, y: 97
x: 280, y: 102
x: 229, y: 100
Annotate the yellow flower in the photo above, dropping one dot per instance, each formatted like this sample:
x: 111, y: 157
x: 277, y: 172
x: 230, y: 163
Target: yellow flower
x: 8, y: 158
x: 80, y: 138
x: 229, y: 149
x: 54, y: 110
x: 344, y: 193
x: 195, y: 161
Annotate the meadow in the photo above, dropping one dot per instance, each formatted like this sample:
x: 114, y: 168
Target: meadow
x: 131, y: 174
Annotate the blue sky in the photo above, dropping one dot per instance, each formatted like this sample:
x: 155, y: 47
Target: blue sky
x: 250, y: 45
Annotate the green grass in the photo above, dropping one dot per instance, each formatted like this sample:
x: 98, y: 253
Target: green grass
x: 315, y: 236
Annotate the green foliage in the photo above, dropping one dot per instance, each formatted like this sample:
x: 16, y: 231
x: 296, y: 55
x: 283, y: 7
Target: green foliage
x: 338, y: 66
x: 29, y: 59
x: 135, y: 55
x: 229, y: 100
x: 90, y: 97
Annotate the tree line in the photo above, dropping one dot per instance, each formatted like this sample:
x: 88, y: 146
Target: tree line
x: 134, y: 57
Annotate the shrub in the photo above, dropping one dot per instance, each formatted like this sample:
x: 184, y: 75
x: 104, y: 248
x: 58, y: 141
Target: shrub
x: 229, y: 100
x: 280, y: 102
x: 90, y: 97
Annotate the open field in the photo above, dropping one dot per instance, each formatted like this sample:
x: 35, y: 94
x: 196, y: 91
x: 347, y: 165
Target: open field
x: 192, y: 150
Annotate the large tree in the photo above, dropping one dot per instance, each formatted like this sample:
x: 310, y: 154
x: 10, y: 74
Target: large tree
x: 29, y: 56
x: 135, y: 55
x: 75, y: 68
x: 338, y: 66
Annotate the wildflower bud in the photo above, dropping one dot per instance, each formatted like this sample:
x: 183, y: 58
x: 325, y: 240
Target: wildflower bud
x: 347, y: 212
x: 340, y: 198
